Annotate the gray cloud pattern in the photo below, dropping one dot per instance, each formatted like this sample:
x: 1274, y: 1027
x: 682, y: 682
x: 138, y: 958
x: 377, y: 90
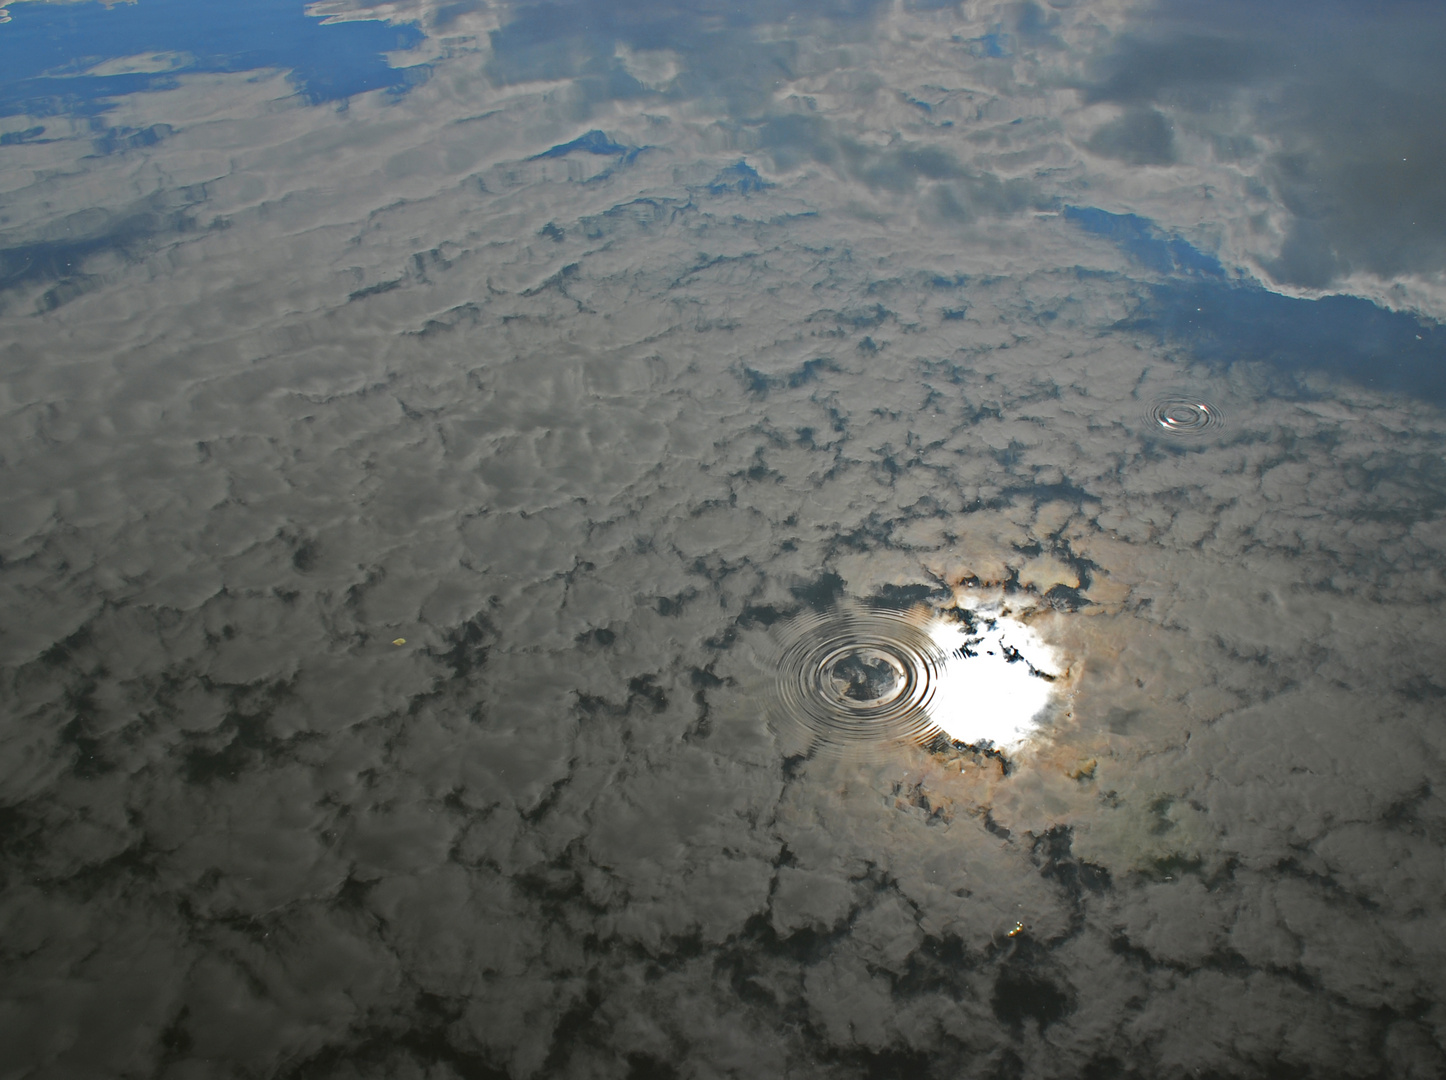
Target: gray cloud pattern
x: 1329, y: 107
x: 392, y: 555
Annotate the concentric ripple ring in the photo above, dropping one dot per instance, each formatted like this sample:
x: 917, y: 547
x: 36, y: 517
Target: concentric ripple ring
x: 855, y: 676
x: 1184, y: 416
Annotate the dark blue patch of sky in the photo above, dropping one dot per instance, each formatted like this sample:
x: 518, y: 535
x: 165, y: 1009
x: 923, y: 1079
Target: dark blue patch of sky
x: 1344, y: 336
x: 740, y: 178
x: 593, y: 142
x: 40, y: 75
x: 1140, y: 239
x: 1220, y: 321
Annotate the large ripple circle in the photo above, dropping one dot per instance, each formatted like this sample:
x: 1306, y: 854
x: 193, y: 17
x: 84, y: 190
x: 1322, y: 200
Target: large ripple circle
x: 1184, y: 416
x: 855, y: 677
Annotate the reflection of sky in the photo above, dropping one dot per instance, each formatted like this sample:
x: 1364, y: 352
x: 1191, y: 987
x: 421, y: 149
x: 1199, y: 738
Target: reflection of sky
x: 580, y: 365
x: 1221, y: 322
x: 1326, y: 109
x: 1162, y: 71
x: 69, y: 57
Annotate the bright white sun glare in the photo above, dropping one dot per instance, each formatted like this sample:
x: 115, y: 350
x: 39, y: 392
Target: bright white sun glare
x: 989, y: 689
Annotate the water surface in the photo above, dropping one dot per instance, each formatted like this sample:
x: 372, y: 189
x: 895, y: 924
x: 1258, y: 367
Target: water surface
x: 428, y: 427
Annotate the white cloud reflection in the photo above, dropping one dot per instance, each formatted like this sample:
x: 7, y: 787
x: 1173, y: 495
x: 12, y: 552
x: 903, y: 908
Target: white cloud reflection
x: 580, y: 430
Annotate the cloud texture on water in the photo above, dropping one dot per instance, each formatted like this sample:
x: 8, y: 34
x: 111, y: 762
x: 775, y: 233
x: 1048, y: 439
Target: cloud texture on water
x: 1322, y: 115
x: 581, y: 429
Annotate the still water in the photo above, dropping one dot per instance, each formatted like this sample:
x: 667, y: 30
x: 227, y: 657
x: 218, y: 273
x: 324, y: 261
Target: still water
x: 655, y: 540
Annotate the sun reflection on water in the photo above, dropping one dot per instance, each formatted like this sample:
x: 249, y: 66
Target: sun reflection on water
x: 859, y: 677
x: 999, y: 679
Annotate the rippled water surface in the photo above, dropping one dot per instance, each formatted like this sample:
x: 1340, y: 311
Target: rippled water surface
x: 837, y: 539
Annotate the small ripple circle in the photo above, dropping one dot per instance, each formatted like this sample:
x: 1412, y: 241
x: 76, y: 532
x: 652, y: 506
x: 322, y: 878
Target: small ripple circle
x: 1184, y: 416
x: 853, y: 677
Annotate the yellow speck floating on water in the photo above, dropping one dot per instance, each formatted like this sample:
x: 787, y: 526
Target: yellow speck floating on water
x: 399, y: 641
x: 1018, y: 929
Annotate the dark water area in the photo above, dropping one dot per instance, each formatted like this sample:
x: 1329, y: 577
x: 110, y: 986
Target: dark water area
x: 839, y: 539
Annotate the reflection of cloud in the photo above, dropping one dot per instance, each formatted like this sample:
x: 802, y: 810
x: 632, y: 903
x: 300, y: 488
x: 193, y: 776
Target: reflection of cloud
x: 5, y: 14
x: 1139, y: 137
x: 1332, y: 113
x: 81, y: 59
x: 653, y: 68
x: 59, y: 254
x: 153, y: 63
x: 581, y: 431
x: 446, y: 17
